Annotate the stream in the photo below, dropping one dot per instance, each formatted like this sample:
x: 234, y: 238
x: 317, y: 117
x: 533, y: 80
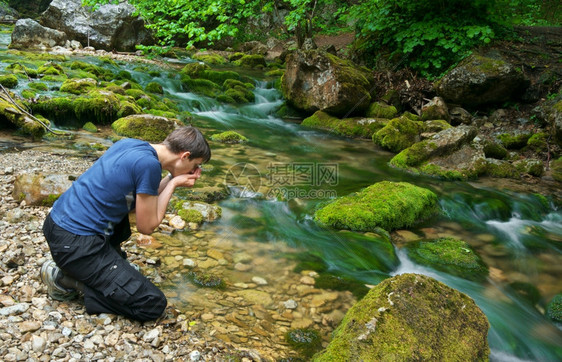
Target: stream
x: 278, y: 178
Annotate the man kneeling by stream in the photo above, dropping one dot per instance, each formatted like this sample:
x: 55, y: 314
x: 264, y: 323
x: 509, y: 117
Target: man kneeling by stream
x: 90, y: 220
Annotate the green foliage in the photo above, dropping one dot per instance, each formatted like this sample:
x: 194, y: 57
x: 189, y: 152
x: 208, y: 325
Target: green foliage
x: 431, y: 35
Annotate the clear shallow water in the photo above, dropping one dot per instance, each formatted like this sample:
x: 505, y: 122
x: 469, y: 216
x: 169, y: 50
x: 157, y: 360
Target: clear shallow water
x: 517, y: 234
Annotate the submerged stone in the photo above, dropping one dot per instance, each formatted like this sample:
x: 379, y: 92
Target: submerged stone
x: 410, y: 317
x: 305, y: 341
x: 554, y: 308
x: 388, y: 205
x: 450, y: 255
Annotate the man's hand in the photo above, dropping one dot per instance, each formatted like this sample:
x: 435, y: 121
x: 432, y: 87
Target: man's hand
x: 187, y: 180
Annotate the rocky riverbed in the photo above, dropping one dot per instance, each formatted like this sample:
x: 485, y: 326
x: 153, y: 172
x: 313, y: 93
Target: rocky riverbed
x: 247, y: 320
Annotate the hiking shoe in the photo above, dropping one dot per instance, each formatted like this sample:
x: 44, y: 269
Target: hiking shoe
x: 50, y: 273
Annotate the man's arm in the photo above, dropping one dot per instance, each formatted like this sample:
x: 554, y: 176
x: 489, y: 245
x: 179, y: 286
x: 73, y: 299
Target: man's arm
x: 150, y: 209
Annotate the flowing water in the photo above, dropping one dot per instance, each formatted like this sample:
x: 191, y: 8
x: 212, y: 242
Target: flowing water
x: 277, y: 180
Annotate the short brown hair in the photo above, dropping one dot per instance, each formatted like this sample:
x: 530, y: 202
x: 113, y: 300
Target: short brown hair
x: 188, y: 139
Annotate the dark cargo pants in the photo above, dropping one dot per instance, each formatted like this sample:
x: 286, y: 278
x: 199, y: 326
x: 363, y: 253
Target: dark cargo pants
x: 111, y: 284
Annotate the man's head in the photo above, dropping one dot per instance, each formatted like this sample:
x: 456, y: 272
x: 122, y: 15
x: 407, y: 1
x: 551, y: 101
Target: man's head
x: 188, y: 139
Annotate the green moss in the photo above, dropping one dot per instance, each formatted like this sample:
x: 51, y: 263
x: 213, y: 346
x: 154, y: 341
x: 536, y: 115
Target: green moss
x: 154, y: 87
x: 305, y: 341
x: 349, y: 127
x: 251, y: 61
x: 17, y: 68
x: 502, y: 169
x: 161, y: 113
x: 411, y: 116
x: 34, y: 129
x: 388, y: 205
x: 529, y: 166
x: 50, y: 200
x: 333, y: 282
x: 9, y: 80
x: 50, y: 68
x: 398, y: 134
x: 201, y: 86
x: 538, y: 142
x: 54, y: 78
x: 99, y: 107
x: 212, y: 58
x: 494, y: 150
x: 554, y: 308
x: 191, y: 215
x: 28, y: 93
x: 90, y: 127
x: 235, y: 56
x: 78, y: 86
x: 410, y: 318
x: 135, y: 93
x: 436, y: 125
x: 436, y: 171
x: 145, y: 127
x: 414, y: 155
x: 275, y: 73
x: 449, y: 255
x: 218, y: 77
x: 514, y: 141
x: 60, y: 110
x: 38, y: 86
x: 127, y: 108
x: 229, y: 137
x: 194, y: 70
x: 381, y: 110
x: 97, y: 71
x: 206, y: 280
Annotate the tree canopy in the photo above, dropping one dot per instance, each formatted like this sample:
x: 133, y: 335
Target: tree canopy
x: 426, y: 35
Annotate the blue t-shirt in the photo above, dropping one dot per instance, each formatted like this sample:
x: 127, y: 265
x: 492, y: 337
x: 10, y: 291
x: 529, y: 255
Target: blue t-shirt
x: 105, y: 193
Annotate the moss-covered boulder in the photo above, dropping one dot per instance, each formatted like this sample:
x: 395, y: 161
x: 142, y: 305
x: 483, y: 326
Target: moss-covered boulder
x: 251, y: 61
x: 126, y: 108
x: 50, y: 68
x: 38, y: 86
x: 13, y: 114
x: 9, y: 80
x: 194, y: 70
x: 145, y: 126
x: 229, y: 137
x: 198, y: 212
x: 78, y: 86
x: 398, y: 134
x: 450, y: 255
x: 388, y: 205
x: 17, y: 68
x: 349, y: 127
x: 154, y: 87
x: 90, y: 127
x: 97, y: 71
x: 316, y: 80
x: 409, y: 318
x: 514, y: 141
x: 494, y: 150
x: 381, y: 110
x: 201, y: 86
x: 97, y: 106
x: 499, y: 169
x: 210, y: 58
x: 449, y: 154
x: 555, y: 119
x: 480, y: 80
x: 554, y: 308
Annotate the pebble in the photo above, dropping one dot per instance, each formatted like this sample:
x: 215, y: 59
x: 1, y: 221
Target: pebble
x: 195, y: 355
x: 259, y: 280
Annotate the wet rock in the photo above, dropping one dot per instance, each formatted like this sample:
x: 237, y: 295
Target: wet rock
x: 316, y: 80
x: 367, y: 333
x: 480, y: 80
x: 435, y: 109
x: 110, y: 27
x: 41, y: 188
x: 29, y: 34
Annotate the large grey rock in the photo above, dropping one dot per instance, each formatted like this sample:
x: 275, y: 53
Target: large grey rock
x: 29, y: 34
x: 110, y: 27
x: 316, y: 80
x: 482, y: 80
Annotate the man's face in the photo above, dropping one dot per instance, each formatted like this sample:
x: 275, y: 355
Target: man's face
x: 187, y: 166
